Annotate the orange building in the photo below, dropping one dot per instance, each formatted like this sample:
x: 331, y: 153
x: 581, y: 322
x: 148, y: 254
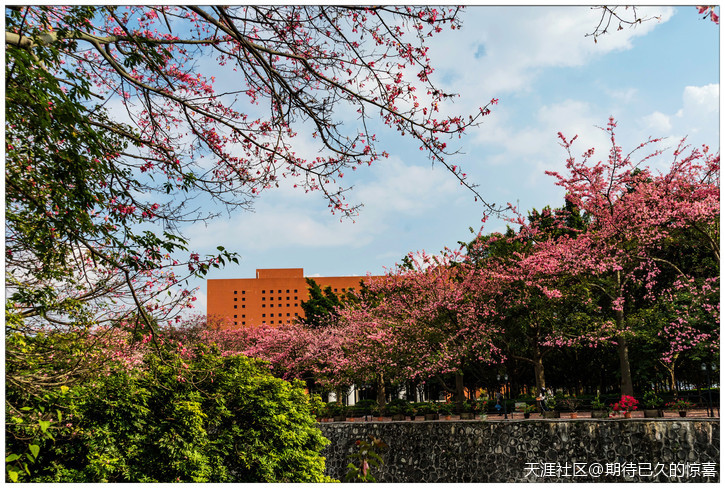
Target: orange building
x: 273, y: 297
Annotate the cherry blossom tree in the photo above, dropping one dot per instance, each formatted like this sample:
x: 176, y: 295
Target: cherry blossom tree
x: 118, y: 133
x: 429, y: 321
x: 539, y: 302
x: 634, y: 210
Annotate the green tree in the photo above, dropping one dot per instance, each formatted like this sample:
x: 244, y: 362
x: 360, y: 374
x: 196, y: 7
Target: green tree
x: 184, y: 415
x: 320, y: 307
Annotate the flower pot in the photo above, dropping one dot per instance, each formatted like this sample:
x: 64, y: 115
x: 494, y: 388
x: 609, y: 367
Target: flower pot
x: 448, y: 417
x: 572, y: 415
x: 600, y: 414
x: 380, y: 419
x: 651, y: 413
x: 683, y: 414
x: 627, y: 415
x: 468, y: 416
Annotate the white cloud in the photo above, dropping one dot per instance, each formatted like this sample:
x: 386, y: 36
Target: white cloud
x: 658, y: 122
x: 517, y: 42
x: 291, y: 218
x: 698, y: 119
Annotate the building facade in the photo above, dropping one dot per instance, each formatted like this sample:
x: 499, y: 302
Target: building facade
x: 273, y: 297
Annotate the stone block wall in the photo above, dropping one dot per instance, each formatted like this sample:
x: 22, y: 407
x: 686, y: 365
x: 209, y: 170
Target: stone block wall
x: 605, y: 450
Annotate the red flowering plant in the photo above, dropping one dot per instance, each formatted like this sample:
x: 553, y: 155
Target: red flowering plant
x: 625, y: 404
x: 679, y: 405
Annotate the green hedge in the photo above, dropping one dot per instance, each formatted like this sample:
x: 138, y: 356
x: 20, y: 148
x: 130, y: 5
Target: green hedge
x: 208, y: 419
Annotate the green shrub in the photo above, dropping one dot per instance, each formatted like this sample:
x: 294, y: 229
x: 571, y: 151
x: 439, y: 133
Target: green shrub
x: 365, y: 407
x: 396, y: 406
x: 206, y: 418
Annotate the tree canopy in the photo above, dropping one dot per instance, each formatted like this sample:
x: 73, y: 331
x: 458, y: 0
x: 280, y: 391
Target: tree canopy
x: 117, y: 135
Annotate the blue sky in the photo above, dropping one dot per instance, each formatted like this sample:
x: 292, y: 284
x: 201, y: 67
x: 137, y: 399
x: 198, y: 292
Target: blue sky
x: 659, y: 79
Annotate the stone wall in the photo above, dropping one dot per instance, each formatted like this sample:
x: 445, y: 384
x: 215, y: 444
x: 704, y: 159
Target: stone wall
x: 534, y: 450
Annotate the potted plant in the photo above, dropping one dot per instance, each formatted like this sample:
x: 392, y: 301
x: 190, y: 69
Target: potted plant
x: 599, y: 409
x: 338, y: 412
x: 528, y: 410
x: 396, y: 409
x: 445, y: 409
x: 652, y: 402
x: 626, y: 405
x: 469, y: 409
x: 430, y: 410
x: 377, y: 412
x: 571, y: 403
x: 350, y: 413
x: 411, y: 410
x: 553, y: 412
x: 680, y: 405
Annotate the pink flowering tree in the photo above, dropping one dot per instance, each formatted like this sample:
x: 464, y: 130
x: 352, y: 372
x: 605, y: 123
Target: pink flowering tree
x: 118, y: 133
x: 543, y: 308
x: 634, y: 211
x: 431, y: 319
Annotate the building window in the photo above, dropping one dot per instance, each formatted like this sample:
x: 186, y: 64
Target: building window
x: 295, y: 291
x: 288, y: 305
x: 287, y: 314
x: 263, y: 305
x: 244, y: 306
x: 287, y: 298
x: 279, y: 291
x: 244, y: 299
x: 235, y: 306
x: 271, y: 291
x: 296, y: 314
x: 235, y: 299
x: 243, y: 292
x: 235, y: 292
x: 263, y: 291
x: 263, y: 299
x: 287, y: 291
x: 235, y: 316
x: 235, y: 323
x: 244, y: 316
x: 264, y: 315
x: 243, y: 323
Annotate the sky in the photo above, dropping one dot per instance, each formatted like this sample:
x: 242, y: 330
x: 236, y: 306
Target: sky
x: 658, y: 79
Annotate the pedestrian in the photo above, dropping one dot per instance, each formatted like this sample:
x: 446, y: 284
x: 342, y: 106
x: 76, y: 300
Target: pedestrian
x: 541, y: 400
x: 499, y: 401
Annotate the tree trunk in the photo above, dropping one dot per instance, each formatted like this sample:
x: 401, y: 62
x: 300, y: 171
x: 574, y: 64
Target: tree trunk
x: 539, y: 369
x: 670, y: 368
x: 460, y: 394
x: 623, y: 350
x: 381, y: 390
x: 627, y: 387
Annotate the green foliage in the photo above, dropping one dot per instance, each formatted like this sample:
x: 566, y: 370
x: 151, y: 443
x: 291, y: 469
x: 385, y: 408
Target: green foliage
x: 445, y: 408
x: 367, y: 457
x: 651, y: 400
x: 598, y: 404
x: 365, y: 407
x: 321, y: 306
x: 396, y: 406
x: 191, y: 416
